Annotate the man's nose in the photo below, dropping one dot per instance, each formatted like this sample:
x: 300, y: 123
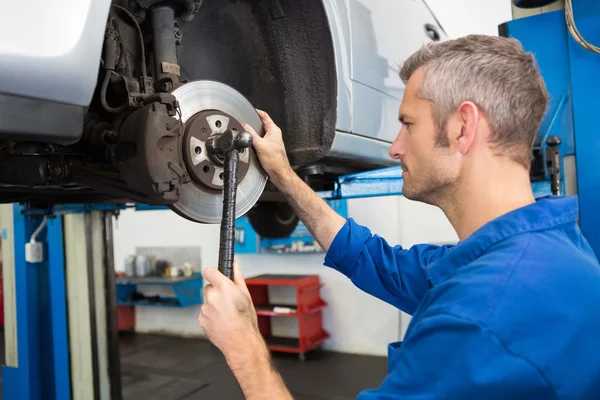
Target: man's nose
x: 396, y: 149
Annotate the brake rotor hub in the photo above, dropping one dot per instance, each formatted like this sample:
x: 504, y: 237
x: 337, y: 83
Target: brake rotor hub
x: 209, y: 108
x: 204, y: 167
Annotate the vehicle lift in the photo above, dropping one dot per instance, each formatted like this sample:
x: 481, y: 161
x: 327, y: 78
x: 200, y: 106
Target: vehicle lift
x: 60, y: 312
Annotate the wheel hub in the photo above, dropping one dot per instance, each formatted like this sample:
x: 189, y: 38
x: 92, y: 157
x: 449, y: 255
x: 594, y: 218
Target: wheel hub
x: 205, y: 168
x: 209, y: 108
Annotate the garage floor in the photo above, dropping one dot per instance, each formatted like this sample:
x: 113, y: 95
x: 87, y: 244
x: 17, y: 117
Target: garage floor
x: 166, y: 368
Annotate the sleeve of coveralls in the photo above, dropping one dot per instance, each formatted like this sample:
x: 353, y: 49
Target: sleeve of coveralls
x: 448, y: 357
x: 392, y: 274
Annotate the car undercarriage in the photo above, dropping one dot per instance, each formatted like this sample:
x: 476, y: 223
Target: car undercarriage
x: 173, y: 74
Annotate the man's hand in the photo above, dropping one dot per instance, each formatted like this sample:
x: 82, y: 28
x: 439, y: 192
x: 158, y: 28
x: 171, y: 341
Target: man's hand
x: 322, y: 221
x: 271, y: 149
x: 230, y: 322
x: 228, y: 316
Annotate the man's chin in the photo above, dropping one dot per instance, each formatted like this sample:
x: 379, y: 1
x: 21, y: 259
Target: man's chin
x: 410, y: 193
x: 416, y: 195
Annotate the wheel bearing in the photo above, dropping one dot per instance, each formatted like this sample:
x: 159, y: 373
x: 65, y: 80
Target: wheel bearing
x: 197, y: 202
x: 205, y: 168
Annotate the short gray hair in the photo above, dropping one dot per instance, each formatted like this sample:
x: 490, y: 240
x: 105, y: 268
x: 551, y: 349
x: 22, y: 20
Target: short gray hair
x: 497, y: 75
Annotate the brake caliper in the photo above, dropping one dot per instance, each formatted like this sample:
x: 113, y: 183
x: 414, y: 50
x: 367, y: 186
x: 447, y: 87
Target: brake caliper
x: 148, y: 152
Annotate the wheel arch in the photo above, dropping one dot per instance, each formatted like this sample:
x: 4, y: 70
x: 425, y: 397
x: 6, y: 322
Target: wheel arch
x: 281, y: 55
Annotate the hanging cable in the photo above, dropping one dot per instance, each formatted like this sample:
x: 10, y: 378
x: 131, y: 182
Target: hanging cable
x: 574, y: 31
x: 38, y: 230
x: 137, y: 25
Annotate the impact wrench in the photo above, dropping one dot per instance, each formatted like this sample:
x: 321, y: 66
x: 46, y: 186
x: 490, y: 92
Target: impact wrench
x: 229, y: 144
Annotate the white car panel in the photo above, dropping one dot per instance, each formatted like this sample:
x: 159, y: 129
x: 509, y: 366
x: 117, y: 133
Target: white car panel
x: 353, y: 147
x: 375, y: 114
x: 384, y: 34
x: 58, y: 56
x: 51, y: 29
x: 338, y: 14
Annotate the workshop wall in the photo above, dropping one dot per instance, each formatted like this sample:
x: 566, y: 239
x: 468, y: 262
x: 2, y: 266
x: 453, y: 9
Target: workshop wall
x: 357, y: 322
x: 464, y: 17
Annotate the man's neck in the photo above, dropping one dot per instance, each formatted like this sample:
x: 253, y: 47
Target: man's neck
x: 483, y: 197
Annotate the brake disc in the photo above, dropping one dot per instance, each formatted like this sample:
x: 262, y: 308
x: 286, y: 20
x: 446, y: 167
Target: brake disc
x: 209, y: 108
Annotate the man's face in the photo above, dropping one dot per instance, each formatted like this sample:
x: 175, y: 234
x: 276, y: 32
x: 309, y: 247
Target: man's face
x: 429, y: 169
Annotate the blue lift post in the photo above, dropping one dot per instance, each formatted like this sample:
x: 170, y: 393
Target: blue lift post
x: 43, y: 370
x: 572, y: 75
x: 42, y: 367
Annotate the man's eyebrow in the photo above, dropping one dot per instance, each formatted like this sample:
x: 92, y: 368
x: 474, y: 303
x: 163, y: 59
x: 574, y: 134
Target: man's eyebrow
x: 402, y: 118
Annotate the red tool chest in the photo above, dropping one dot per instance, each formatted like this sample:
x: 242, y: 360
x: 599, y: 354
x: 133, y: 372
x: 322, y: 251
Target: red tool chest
x: 307, y: 310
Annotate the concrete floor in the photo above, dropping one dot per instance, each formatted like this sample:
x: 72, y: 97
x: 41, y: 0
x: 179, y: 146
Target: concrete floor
x: 157, y: 367
x: 168, y: 368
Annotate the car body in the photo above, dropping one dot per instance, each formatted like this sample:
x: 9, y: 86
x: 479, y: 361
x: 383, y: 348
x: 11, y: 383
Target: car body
x: 325, y: 70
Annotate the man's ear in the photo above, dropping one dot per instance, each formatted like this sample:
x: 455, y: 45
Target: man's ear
x: 467, y: 119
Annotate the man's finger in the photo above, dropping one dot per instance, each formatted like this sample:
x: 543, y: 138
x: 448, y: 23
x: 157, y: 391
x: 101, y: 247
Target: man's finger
x: 270, y: 126
x: 255, y: 136
x: 266, y: 118
x: 214, y: 277
x: 238, y: 277
x: 249, y: 128
x: 209, y: 292
x: 203, y: 314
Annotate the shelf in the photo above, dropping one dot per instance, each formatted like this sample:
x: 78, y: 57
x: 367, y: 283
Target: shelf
x: 187, y: 289
x: 292, y: 345
x: 307, y: 310
x: 280, y: 277
x: 157, y: 280
x: 283, y: 342
x: 313, y: 308
x: 306, y: 289
x: 269, y: 310
x: 300, y: 281
x: 165, y: 302
x: 316, y: 342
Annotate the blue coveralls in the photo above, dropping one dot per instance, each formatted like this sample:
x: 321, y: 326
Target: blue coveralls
x: 511, y: 312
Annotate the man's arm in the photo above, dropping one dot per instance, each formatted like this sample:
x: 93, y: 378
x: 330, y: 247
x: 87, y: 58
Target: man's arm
x: 254, y: 371
x: 320, y: 219
x: 229, y: 320
x: 393, y: 274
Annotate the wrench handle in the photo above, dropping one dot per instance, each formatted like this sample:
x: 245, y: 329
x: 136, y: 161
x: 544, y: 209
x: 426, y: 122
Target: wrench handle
x: 227, y: 240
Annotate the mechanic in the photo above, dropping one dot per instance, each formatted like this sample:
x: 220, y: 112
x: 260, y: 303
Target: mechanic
x: 510, y: 312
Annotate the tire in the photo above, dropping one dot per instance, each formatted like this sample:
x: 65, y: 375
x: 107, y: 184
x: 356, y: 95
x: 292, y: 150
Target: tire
x: 273, y: 219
